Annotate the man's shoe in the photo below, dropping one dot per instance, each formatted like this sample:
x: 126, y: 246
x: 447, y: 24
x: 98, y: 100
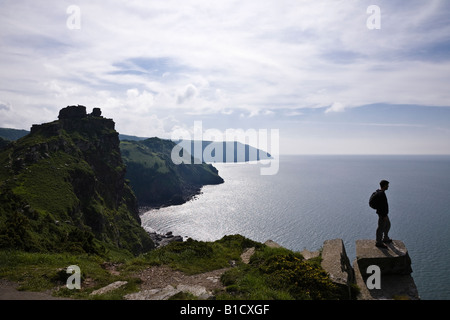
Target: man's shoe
x: 381, y: 245
x: 387, y: 240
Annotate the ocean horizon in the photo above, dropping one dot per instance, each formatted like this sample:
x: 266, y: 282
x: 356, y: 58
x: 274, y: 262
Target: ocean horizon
x: 314, y: 198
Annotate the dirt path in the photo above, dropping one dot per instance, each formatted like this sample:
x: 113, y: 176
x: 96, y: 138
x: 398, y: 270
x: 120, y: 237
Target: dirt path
x: 8, y: 291
x: 160, y: 282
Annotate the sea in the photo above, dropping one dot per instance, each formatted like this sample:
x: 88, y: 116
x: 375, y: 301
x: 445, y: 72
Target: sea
x: 314, y: 198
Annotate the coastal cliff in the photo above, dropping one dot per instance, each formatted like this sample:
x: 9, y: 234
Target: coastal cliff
x: 156, y: 180
x: 63, y: 188
x: 71, y: 184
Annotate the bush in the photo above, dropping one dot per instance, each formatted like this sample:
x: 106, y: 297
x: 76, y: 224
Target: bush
x: 278, y: 273
x: 300, y: 278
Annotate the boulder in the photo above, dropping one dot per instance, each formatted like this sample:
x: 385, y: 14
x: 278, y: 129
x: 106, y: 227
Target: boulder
x: 337, y: 264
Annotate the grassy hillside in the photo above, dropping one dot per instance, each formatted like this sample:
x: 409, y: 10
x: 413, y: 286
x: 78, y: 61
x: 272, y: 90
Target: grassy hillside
x: 272, y: 274
x: 62, y: 188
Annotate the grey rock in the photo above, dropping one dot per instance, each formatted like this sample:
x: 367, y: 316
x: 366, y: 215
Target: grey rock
x: 161, y: 240
x: 309, y: 254
x: 72, y: 112
x: 337, y: 264
x: 169, y: 291
x: 109, y: 287
x: 392, y: 286
x: 394, y: 260
x: 272, y: 244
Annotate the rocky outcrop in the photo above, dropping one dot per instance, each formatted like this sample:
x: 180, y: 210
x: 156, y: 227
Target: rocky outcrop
x: 66, y: 180
x: 394, y: 260
x: 394, y: 264
x: 72, y: 112
x: 77, y: 112
x: 161, y: 240
x: 336, y: 262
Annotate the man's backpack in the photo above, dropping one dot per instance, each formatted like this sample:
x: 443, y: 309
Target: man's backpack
x: 373, y: 200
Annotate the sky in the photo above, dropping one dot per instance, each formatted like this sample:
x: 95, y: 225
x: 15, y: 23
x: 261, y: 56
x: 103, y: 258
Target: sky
x: 332, y: 76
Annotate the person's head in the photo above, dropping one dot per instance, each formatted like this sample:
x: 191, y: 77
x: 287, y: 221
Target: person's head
x: 384, y: 184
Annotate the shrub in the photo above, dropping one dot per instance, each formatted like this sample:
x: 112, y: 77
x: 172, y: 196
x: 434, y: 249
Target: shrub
x: 278, y: 273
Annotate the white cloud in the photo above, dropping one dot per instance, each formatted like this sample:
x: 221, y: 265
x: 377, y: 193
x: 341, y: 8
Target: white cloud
x: 335, y: 107
x: 147, y: 61
x: 188, y: 93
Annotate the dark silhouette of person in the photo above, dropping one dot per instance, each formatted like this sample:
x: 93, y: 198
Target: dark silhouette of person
x: 384, y: 224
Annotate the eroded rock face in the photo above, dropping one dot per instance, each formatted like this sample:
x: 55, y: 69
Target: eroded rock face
x: 76, y: 164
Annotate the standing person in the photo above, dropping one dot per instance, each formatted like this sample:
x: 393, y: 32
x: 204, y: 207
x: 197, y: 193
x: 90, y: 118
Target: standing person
x: 384, y: 224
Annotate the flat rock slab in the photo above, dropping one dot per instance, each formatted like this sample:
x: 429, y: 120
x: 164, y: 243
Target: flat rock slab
x: 109, y: 287
x: 169, y: 291
x: 393, y: 260
x: 247, y: 254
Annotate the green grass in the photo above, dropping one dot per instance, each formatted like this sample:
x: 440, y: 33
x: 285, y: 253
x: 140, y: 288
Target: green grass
x: 278, y: 274
x: 272, y: 274
x: 59, y: 190
x: 133, y: 151
x: 47, y: 271
x: 46, y: 188
x: 193, y: 257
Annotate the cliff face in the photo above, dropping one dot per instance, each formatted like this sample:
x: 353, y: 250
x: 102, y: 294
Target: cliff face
x: 63, y: 188
x: 156, y: 180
